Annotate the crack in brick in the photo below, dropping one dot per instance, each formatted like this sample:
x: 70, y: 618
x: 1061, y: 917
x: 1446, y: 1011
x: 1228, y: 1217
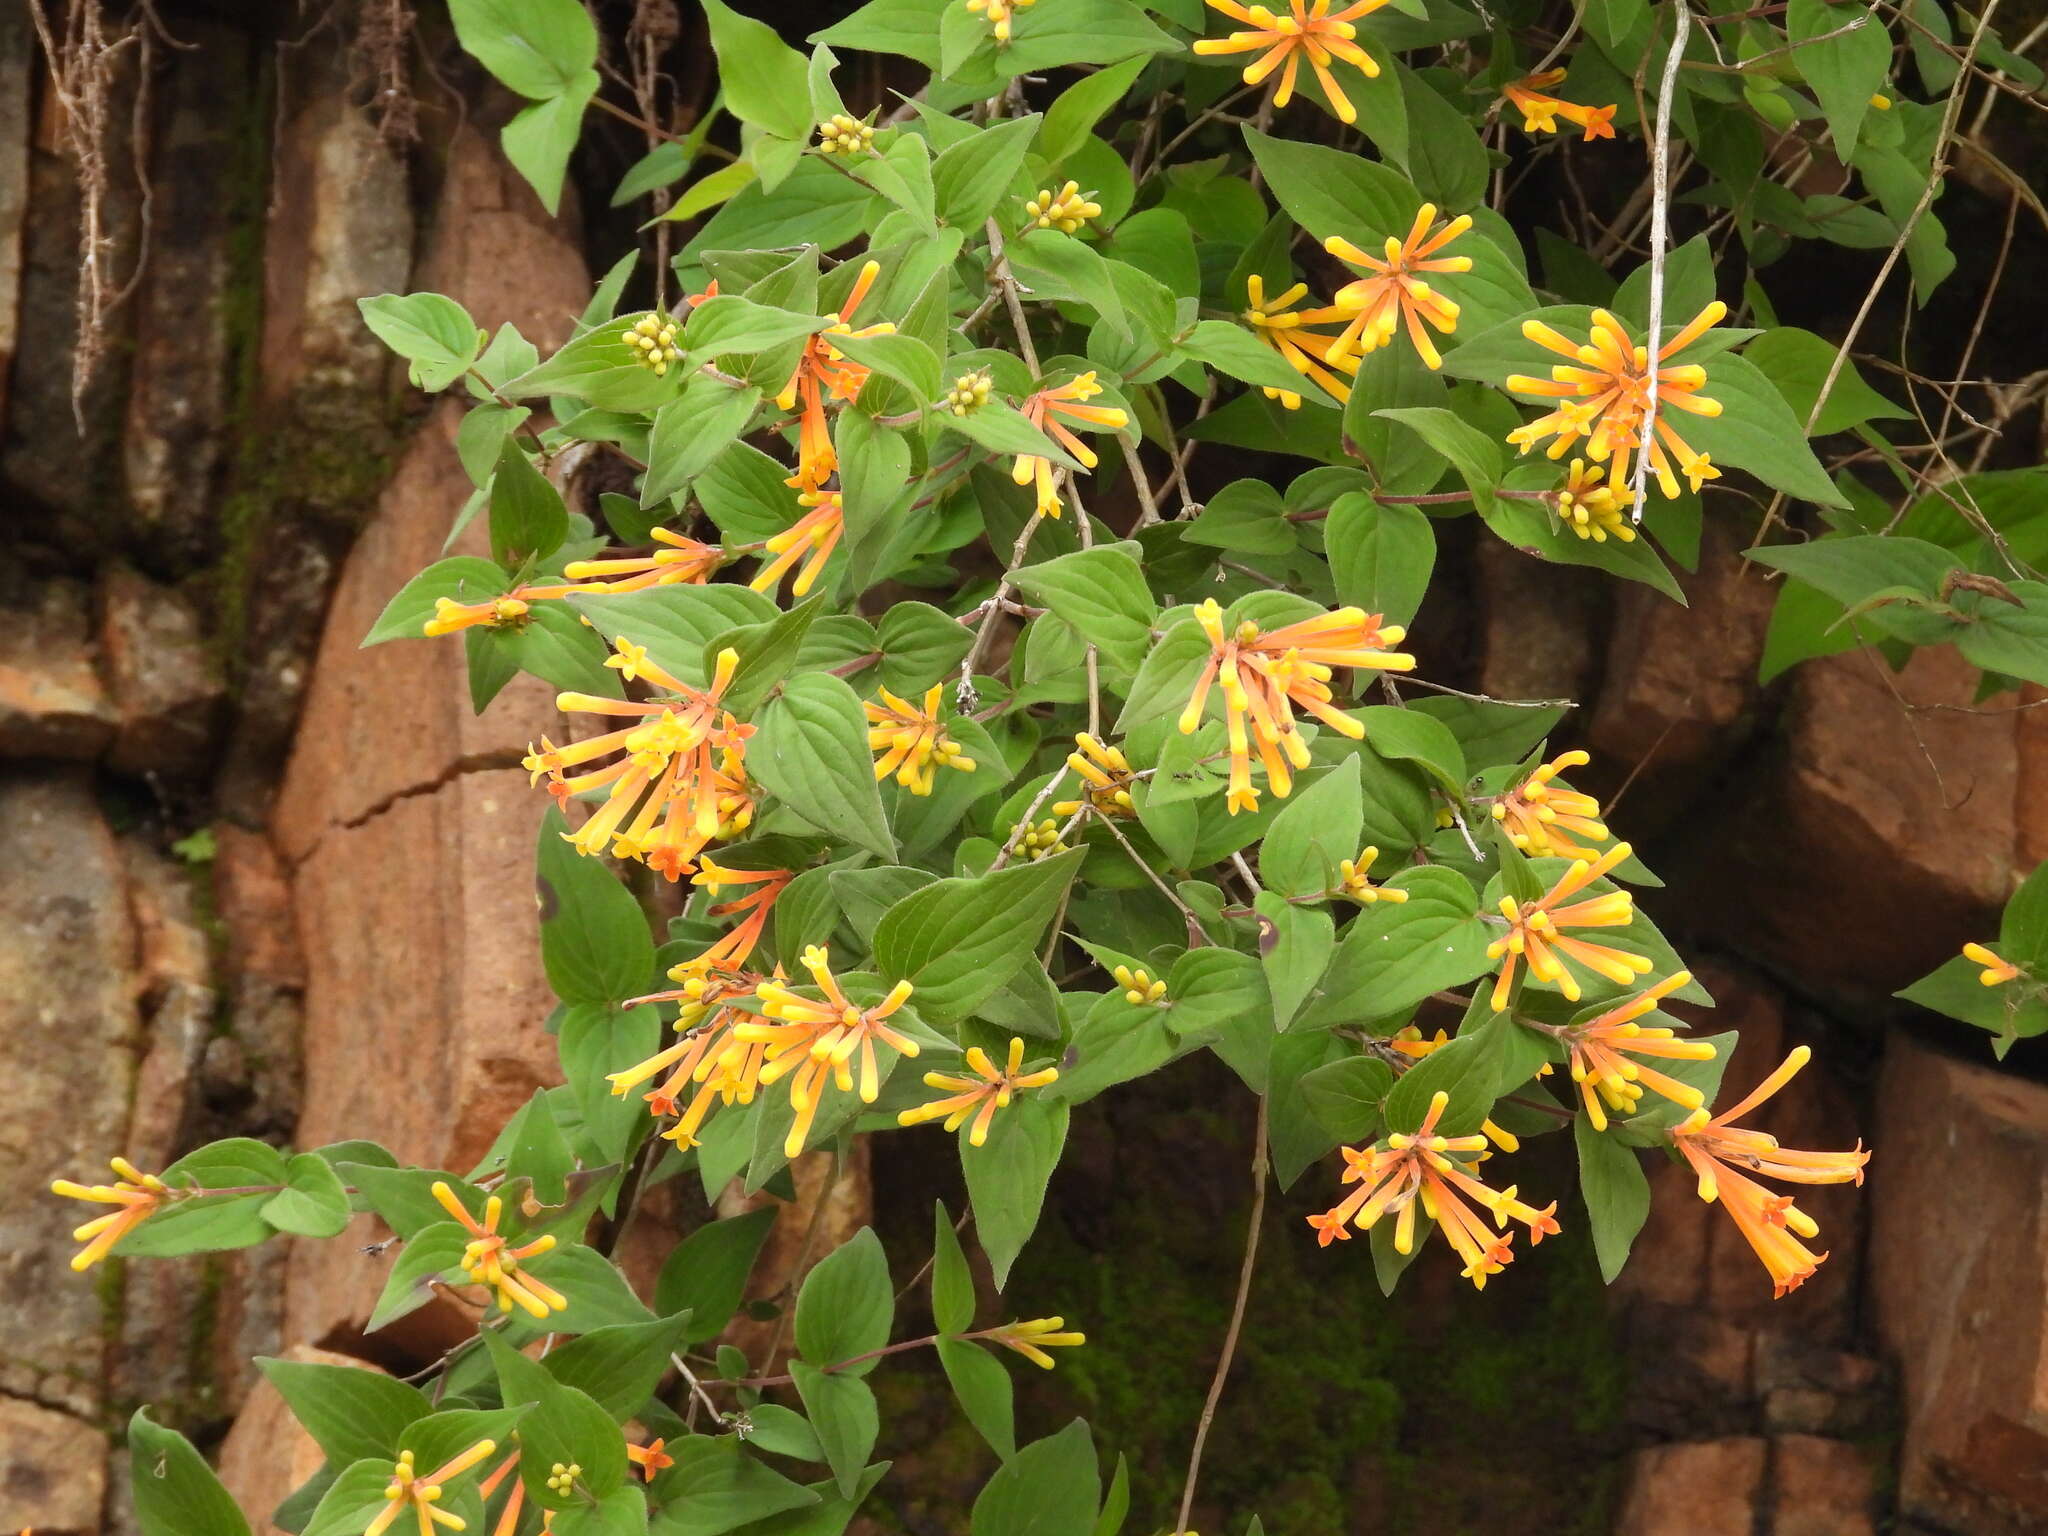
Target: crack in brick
x: 473, y: 762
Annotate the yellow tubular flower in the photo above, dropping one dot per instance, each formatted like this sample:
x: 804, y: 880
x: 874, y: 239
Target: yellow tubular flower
x: 680, y: 561
x: 1394, y: 295
x: 1603, y: 391
x: 911, y: 741
x: 997, y: 14
x: 1601, y: 1046
x: 1533, y: 932
x: 1106, y: 780
x: 1032, y: 1339
x: 410, y: 1491
x: 1408, y: 1172
x: 813, y: 1043
x: 138, y: 1195
x: 981, y: 1095
x: 496, y: 612
x: 489, y: 1260
x: 1996, y: 971
x: 669, y: 797
x: 1591, y: 509
x: 1355, y: 887
x: 810, y: 539
x: 1538, y: 813
x: 1279, y: 326
x: 1540, y: 112
x: 652, y: 341
x: 1266, y: 676
x: 1139, y: 987
x: 1044, y: 410
x: 843, y: 135
x: 1308, y: 30
x: 1724, y: 1157
x: 822, y: 370
x: 1067, y: 210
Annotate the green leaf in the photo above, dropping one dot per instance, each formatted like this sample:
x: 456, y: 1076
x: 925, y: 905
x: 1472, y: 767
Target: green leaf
x: 1467, y: 1070
x: 958, y: 941
x: 1073, y: 116
x: 1381, y: 557
x: 1297, y: 1138
x: 1844, y: 67
x: 462, y: 579
x: 1079, y: 32
x: 1529, y: 527
x: 1448, y: 163
x: 1797, y: 362
x: 597, y: 1038
x: 726, y: 324
x: 2009, y: 1012
x: 765, y: 81
x: 1006, y: 1177
x: 716, y: 1487
x: 1246, y: 515
x: 952, y: 1283
x: 845, y: 1306
x: 1477, y: 458
x: 1102, y: 593
x: 675, y: 622
x: 906, y: 27
x: 1051, y: 1487
x: 427, y: 1255
x: 707, y: 1272
x: 1328, y: 192
x: 537, y: 47
x: 1617, y: 1195
x: 175, y: 1491
x: 1757, y: 431
x: 1233, y: 350
x: 970, y: 178
x: 1395, y: 954
x: 1346, y: 1096
x: 812, y: 751
x: 1318, y: 830
x: 209, y: 1223
x: 767, y: 654
x: 691, y: 431
x: 562, y: 1426
x: 842, y: 1409
x: 1167, y: 677
x: 540, y: 139
x: 594, y: 941
x: 312, y: 1203
x: 902, y: 358
x: 350, y: 1411
x: 528, y: 520
x: 1408, y: 735
x: 429, y: 330
x: 920, y: 646
x: 1855, y: 568
x: 984, y: 1392
x: 620, y: 1364
x: 1303, y: 939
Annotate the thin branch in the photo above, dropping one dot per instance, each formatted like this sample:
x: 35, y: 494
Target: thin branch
x: 1660, y: 242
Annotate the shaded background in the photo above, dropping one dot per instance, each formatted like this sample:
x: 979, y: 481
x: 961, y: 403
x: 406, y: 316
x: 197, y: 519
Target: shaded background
x: 255, y: 881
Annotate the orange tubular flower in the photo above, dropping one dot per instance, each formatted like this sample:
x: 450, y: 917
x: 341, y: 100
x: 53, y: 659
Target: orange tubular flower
x: 1309, y: 30
x: 682, y: 561
x: 1724, y: 1157
x: 1106, y: 780
x: 1601, y: 1046
x: 1264, y: 676
x: 1044, y: 410
x: 823, y: 370
x: 1533, y: 932
x: 981, y: 1095
x: 1306, y: 352
x: 489, y: 1260
x: 1537, y: 813
x: 912, y: 741
x: 1540, y: 112
x: 811, y: 539
x: 1394, y: 295
x: 1995, y: 971
x: 665, y: 778
x: 816, y: 1041
x: 1412, y: 1170
x: 420, y: 1494
x: 1604, y: 390
x: 138, y: 1195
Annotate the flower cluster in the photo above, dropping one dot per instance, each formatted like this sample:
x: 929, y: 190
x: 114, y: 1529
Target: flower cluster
x: 1591, y: 508
x: 1419, y: 1171
x: 1033, y: 1338
x: 676, y: 779
x: 1996, y: 972
x: 998, y: 13
x: 410, y: 1490
x: 1308, y: 30
x: 1540, y: 815
x: 1067, y: 210
x: 1601, y: 1049
x: 814, y: 1042
x: 490, y: 1259
x: 1309, y: 353
x: 969, y: 393
x: 843, y: 135
x: 822, y: 371
x: 1540, y: 112
x: 911, y: 741
x: 981, y: 1095
x: 1394, y: 296
x: 652, y: 341
x: 1353, y: 885
x: 1106, y: 780
x: 1140, y: 989
x: 1534, y: 932
x: 1049, y: 410
x: 1265, y: 676
x: 1603, y: 395
x: 137, y: 1194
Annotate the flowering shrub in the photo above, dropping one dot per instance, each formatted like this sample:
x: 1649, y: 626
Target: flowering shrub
x: 948, y: 768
